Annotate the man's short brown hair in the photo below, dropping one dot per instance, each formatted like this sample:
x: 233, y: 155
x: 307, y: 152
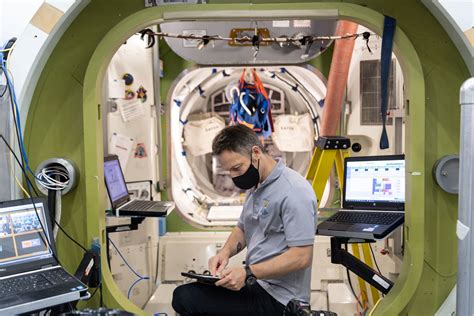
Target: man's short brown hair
x: 236, y: 138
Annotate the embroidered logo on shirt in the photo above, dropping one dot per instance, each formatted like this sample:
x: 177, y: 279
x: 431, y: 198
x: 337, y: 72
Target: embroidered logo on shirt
x: 264, y: 211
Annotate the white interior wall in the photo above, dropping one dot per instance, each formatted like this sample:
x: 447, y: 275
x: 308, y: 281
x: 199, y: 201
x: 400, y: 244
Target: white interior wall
x: 183, y: 176
x: 139, y: 247
x: 14, y: 16
x: 353, y: 95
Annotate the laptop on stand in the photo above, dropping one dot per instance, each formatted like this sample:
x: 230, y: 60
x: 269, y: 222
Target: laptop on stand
x: 30, y: 277
x: 373, y: 198
x: 120, y: 196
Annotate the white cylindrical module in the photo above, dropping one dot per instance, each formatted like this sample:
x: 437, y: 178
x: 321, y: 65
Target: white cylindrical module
x: 465, y: 224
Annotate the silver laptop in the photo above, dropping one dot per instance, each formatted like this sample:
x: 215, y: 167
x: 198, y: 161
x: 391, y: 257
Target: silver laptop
x: 373, y: 198
x: 120, y: 197
x: 30, y: 277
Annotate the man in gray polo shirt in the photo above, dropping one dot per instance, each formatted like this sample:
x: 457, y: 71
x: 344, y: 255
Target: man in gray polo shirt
x: 277, y: 226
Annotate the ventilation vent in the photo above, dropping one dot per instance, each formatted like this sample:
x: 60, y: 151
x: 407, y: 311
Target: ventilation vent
x: 370, y: 92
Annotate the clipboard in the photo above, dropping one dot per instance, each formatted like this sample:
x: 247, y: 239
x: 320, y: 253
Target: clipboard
x: 208, y: 279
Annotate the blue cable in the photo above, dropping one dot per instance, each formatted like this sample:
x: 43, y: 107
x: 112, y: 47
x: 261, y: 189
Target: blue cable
x: 134, y: 283
x: 18, y: 120
x: 140, y: 278
x: 125, y: 261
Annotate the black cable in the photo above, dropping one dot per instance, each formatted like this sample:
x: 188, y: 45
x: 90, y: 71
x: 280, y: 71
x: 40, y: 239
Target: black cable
x: 36, y: 193
x: 67, y: 235
x: 14, y: 121
x: 45, y: 239
x: 101, y: 297
x: 24, y: 172
x: 375, y: 260
x: 95, y: 291
x: 315, y: 116
x: 350, y: 284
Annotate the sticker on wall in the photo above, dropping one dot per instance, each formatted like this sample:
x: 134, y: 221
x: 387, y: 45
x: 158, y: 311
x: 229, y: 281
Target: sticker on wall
x: 130, y: 110
x: 140, y: 151
x: 141, y: 93
x: 129, y: 94
x: 128, y: 79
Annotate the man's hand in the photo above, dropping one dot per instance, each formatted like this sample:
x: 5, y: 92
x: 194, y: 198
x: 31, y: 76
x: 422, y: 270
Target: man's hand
x: 232, y: 278
x: 218, y: 263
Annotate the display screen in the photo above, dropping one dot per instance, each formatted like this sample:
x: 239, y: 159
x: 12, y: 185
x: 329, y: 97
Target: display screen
x: 22, y: 238
x: 375, y: 181
x: 114, y: 180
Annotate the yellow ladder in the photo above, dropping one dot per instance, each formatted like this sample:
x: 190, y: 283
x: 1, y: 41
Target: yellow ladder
x: 332, y: 150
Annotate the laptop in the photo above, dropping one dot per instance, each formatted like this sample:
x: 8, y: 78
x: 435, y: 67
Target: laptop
x: 120, y: 196
x: 373, y: 198
x: 30, y: 277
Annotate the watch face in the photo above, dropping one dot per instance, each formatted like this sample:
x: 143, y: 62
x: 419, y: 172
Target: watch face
x: 251, y: 280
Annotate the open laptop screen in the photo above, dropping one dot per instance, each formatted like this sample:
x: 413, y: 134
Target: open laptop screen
x: 114, y: 180
x: 22, y: 236
x: 374, y: 181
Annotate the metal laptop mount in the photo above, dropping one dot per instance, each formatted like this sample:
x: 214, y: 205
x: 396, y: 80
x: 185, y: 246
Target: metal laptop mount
x: 342, y: 256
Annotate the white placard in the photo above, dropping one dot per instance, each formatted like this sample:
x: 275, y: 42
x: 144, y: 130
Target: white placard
x: 121, y: 146
x: 302, y: 23
x: 130, y: 109
x: 281, y: 23
x: 192, y: 42
x: 380, y: 281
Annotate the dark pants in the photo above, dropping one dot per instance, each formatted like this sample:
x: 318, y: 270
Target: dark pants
x: 203, y: 299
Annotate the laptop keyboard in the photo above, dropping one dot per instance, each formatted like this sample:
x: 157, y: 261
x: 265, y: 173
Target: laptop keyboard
x: 140, y: 205
x: 365, y: 218
x: 33, y: 282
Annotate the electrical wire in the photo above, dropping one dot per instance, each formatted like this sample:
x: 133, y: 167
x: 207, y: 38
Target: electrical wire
x: 12, y: 170
x: 375, y: 260
x: 314, y: 116
x: 140, y: 278
x: 301, y: 40
x: 45, y: 239
x: 95, y: 291
x: 36, y: 193
x: 350, y: 284
x: 15, y: 113
x: 9, y: 53
x: 17, y: 120
x: 376, y: 264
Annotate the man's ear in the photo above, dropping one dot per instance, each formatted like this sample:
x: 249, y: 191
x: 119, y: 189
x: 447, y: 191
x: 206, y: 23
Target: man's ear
x: 256, y: 153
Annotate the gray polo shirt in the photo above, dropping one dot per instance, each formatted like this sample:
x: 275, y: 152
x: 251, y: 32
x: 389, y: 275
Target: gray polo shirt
x: 279, y: 214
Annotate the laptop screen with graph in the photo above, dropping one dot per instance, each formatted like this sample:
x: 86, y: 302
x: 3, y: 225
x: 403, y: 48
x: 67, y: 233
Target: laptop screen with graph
x: 374, y: 181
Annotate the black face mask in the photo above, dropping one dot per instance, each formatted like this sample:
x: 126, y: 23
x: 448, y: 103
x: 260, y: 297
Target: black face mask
x: 250, y: 178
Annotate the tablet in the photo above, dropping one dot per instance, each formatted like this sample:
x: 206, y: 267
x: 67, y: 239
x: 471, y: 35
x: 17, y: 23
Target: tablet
x: 209, y: 279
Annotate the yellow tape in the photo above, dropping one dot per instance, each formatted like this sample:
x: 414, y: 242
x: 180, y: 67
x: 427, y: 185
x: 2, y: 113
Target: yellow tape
x: 46, y: 17
x: 368, y: 261
x: 362, y: 284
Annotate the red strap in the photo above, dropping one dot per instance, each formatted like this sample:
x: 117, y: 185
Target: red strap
x: 242, y: 80
x: 258, y: 84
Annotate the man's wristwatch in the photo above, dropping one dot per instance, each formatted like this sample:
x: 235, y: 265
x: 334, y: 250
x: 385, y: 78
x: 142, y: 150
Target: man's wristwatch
x: 250, y: 278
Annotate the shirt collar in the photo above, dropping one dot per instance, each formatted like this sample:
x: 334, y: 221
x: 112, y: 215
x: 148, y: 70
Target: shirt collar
x: 274, y: 174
